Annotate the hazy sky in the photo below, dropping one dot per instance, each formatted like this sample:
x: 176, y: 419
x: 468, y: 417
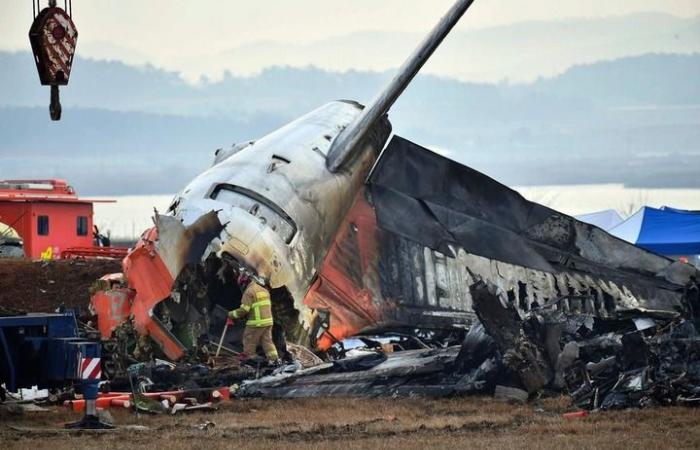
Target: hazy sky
x: 176, y: 33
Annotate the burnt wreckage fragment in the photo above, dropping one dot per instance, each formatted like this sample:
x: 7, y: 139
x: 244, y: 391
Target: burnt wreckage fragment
x: 425, y: 228
x: 567, y: 305
x: 633, y: 360
x: 550, y: 303
x: 534, y: 254
x: 561, y: 305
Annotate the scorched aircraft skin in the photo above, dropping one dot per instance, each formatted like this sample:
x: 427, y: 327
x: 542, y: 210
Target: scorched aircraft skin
x: 355, y: 242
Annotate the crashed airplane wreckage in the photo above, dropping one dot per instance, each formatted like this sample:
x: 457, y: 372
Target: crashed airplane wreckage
x: 431, y: 249
x: 356, y: 240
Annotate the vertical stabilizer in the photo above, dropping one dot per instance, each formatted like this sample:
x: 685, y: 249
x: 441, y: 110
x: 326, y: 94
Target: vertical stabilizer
x: 349, y: 139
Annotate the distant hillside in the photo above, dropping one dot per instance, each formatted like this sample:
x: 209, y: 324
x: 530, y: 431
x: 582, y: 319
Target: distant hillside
x: 651, y: 78
x: 633, y: 120
x: 518, y: 52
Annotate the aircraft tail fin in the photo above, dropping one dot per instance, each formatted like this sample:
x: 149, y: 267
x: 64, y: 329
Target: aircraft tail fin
x: 351, y: 137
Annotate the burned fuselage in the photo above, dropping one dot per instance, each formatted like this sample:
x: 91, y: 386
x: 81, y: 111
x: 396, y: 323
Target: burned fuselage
x: 278, y: 202
x: 399, y: 256
x: 425, y: 228
x: 274, y: 206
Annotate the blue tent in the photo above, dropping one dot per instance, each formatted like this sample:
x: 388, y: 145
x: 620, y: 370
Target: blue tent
x: 665, y: 231
x: 684, y: 211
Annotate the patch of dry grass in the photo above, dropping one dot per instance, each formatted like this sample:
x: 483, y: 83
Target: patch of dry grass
x: 380, y: 423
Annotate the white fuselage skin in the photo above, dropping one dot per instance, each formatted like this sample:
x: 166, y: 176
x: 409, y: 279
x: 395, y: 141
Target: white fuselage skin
x: 300, y: 203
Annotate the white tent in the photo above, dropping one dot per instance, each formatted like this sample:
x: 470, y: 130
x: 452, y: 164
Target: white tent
x: 605, y: 220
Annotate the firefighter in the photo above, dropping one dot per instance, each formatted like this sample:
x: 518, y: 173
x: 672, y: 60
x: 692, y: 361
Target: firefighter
x: 256, y: 308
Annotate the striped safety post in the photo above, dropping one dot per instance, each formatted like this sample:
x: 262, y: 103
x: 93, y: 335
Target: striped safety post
x: 88, y: 374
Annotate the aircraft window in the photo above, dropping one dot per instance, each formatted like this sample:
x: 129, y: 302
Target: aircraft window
x: 267, y: 212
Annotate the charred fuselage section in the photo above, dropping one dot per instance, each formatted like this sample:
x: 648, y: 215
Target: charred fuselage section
x: 417, y: 235
x: 427, y: 228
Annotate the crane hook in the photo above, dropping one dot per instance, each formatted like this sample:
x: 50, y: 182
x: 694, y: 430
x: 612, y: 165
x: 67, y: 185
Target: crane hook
x: 53, y: 37
x: 55, y: 105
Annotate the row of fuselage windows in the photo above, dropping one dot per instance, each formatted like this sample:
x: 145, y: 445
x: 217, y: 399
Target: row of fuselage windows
x: 81, y: 225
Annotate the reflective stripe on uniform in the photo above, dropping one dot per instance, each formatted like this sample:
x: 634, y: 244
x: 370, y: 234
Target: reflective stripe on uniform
x: 260, y: 323
x: 235, y: 314
x: 257, y: 321
x: 257, y: 305
x: 263, y: 299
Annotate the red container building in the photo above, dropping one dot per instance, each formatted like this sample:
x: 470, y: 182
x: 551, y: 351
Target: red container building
x: 47, y: 214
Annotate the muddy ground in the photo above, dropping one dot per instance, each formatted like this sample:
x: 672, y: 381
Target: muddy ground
x: 374, y: 423
x: 42, y: 286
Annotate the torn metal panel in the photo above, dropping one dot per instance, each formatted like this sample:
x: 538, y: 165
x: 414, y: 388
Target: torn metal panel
x: 476, y: 348
x: 659, y: 368
x: 518, y: 341
x: 178, y: 245
x: 457, y: 211
x: 151, y: 269
x: 410, y: 371
x: 372, y: 279
x: 347, y: 286
x: 428, y: 286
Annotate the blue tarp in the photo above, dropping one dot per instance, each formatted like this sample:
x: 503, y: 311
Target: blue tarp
x: 684, y: 211
x: 665, y: 231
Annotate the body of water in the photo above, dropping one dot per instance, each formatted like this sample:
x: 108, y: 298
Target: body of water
x: 131, y: 215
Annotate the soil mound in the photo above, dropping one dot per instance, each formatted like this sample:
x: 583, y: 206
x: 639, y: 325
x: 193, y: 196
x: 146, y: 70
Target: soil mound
x: 43, y: 286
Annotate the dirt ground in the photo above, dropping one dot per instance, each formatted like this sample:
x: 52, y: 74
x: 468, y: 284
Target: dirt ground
x: 42, y: 286
x: 373, y: 423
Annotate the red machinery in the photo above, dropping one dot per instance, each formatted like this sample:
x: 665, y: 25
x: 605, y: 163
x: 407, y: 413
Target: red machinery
x: 50, y: 218
x: 53, y: 37
x: 94, y: 252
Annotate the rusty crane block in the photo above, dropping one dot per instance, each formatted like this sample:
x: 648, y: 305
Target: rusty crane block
x: 53, y: 36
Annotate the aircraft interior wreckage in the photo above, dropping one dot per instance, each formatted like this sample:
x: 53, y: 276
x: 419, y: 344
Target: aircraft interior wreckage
x: 358, y: 232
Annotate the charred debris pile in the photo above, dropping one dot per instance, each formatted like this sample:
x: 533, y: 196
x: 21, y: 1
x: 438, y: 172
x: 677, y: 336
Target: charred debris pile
x: 635, y: 359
